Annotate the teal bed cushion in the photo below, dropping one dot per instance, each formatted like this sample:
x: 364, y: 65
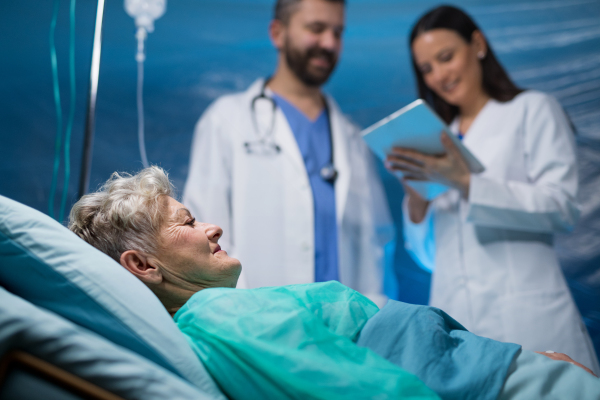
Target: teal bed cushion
x: 85, y: 354
x: 49, y: 266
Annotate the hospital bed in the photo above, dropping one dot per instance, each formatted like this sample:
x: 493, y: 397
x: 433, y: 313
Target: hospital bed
x: 72, y: 319
x: 74, y: 324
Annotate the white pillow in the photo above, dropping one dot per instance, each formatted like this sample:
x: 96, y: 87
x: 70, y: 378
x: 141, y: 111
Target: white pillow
x: 51, y: 267
x: 85, y: 354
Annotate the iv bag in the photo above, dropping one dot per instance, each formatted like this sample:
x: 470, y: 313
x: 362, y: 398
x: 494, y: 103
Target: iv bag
x: 145, y: 12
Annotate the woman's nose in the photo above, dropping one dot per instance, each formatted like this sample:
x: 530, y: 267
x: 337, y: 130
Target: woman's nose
x: 213, y: 232
x: 439, y: 74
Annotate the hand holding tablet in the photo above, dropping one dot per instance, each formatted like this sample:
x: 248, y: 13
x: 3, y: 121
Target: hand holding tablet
x: 449, y: 169
x: 418, y: 146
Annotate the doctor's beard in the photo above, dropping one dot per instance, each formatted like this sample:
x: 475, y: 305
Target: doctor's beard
x: 298, y: 61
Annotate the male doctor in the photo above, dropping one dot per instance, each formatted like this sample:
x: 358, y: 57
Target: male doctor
x: 285, y: 174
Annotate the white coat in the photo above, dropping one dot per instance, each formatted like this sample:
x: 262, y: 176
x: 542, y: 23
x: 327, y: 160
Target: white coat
x: 495, y: 268
x: 264, y: 203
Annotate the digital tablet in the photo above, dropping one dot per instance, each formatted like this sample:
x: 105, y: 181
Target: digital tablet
x: 416, y: 126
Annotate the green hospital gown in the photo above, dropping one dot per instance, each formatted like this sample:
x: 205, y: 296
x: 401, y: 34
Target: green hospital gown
x: 292, y: 342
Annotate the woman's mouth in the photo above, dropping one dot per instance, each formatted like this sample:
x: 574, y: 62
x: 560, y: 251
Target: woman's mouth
x: 217, y: 249
x: 450, y: 86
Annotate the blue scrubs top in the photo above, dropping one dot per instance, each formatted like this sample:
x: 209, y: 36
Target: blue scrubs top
x: 314, y: 141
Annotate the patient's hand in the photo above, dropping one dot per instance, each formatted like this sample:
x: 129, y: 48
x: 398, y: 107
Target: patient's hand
x: 564, y: 357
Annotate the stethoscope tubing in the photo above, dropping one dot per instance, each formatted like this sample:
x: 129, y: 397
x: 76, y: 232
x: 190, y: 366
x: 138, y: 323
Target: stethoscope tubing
x: 327, y: 172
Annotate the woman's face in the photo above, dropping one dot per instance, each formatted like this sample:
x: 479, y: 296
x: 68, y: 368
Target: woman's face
x: 189, y: 254
x: 450, y: 66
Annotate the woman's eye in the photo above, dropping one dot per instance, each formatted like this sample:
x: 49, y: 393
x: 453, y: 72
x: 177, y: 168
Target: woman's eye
x: 446, y: 57
x: 191, y: 222
x: 425, y: 69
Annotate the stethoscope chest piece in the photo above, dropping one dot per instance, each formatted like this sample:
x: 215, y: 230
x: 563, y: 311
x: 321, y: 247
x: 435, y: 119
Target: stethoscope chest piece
x: 329, y: 173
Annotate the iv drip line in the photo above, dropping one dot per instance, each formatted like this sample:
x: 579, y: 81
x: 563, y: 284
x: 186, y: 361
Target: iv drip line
x: 145, y: 12
x: 140, y: 57
x: 58, y: 106
x: 71, y: 119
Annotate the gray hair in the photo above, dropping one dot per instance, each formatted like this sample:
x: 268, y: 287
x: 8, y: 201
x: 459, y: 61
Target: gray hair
x: 124, y: 214
x: 284, y: 9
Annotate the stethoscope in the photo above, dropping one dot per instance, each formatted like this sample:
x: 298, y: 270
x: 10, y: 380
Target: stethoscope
x: 266, y: 144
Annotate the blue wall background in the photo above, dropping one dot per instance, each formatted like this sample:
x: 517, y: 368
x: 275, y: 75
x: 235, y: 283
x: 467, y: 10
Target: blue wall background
x: 203, y: 49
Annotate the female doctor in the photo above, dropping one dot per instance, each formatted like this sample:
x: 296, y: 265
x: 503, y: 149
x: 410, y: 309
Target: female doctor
x: 495, y: 269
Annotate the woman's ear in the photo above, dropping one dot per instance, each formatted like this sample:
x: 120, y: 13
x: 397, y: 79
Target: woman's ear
x: 479, y: 44
x: 140, y: 265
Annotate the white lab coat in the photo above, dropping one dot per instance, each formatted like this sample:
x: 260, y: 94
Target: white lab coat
x: 264, y: 203
x: 495, y: 268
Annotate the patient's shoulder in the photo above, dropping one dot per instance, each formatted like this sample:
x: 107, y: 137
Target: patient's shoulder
x: 228, y: 302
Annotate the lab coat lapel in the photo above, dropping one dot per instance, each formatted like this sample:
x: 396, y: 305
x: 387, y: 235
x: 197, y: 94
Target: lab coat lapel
x: 479, y: 126
x: 341, y: 146
x: 478, y: 130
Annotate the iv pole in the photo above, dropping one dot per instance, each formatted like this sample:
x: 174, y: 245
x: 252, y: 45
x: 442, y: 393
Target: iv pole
x: 88, y: 142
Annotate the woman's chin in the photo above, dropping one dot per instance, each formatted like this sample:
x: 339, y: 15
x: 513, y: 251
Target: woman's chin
x: 228, y: 259
x: 234, y: 266
x: 453, y: 97
x: 236, y: 275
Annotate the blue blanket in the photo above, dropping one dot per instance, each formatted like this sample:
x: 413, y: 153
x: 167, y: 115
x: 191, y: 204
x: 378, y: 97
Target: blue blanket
x: 299, y: 341
x: 428, y: 343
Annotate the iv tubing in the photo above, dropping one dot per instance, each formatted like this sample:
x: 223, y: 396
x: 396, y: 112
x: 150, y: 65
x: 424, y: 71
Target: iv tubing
x: 71, y: 113
x: 55, y: 86
x: 140, y: 57
x: 58, y: 106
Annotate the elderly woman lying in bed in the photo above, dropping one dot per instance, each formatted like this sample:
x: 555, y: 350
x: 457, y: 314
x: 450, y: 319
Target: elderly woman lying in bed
x: 321, y: 340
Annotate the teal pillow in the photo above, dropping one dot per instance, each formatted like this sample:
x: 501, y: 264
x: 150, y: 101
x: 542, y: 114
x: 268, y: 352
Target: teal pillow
x: 51, y: 267
x: 85, y: 354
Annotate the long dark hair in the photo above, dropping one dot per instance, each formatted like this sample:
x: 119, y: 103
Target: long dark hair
x: 496, y: 82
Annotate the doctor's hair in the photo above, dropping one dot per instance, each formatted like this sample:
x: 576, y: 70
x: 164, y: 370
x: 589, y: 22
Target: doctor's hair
x: 284, y: 9
x: 126, y: 213
x: 496, y: 81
